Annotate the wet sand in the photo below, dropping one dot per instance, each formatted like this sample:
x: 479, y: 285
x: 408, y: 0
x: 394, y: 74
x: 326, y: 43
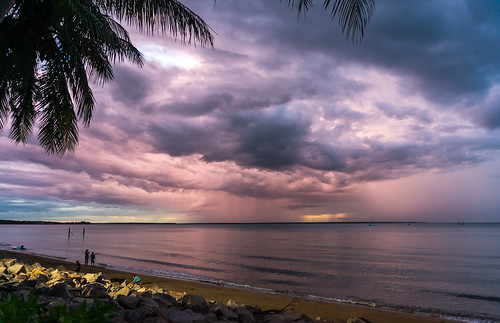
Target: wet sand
x: 336, y: 312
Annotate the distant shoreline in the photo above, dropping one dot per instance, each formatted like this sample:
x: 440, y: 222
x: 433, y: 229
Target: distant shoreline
x: 226, y: 223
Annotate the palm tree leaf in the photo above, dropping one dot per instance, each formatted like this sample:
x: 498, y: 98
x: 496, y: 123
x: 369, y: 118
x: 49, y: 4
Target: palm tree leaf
x: 300, y: 5
x: 169, y: 16
x: 353, y: 15
x: 58, y: 131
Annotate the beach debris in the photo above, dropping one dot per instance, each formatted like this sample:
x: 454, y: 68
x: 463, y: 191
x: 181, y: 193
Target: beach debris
x: 135, y: 303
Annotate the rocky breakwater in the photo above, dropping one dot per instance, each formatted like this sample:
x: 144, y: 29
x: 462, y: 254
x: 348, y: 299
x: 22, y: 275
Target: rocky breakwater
x: 134, y: 303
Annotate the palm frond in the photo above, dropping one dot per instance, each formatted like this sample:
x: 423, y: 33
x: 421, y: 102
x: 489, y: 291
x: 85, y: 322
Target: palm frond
x: 300, y: 5
x: 22, y: 108
x: 169, y: 16
x: 353, y: 16
x: 58, y: 131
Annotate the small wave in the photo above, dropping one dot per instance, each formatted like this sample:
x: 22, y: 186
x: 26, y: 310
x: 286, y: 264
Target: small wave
x: 166, y: 263
x: 480, y: 297
x: 283, y: 282
x: 271, y: 258
x: 273, y: 270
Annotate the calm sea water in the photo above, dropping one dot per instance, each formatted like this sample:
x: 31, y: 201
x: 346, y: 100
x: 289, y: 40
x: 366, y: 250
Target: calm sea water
x: 449, y: 269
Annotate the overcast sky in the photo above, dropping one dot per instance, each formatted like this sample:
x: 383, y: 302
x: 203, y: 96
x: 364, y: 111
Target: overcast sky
x: 286, y: 120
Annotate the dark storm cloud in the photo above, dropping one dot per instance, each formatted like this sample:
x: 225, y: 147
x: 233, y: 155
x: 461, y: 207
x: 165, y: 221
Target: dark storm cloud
x: 487, y: 115
x: 130, y: 86
x: 195, y: 107
x: 445, y: 50
x: 181, y: 138
x: 267, y: 140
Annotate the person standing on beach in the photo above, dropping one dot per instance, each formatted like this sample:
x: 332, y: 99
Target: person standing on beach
x: 69, y: 232
x: 92, y: 259
x: 87, y: 257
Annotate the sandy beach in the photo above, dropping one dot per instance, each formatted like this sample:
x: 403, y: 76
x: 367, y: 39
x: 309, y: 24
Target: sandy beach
x: 330, y: 311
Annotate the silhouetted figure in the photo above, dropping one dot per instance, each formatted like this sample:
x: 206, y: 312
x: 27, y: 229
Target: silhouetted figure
x: 78, y: 266
x: 83, y: 233
x: 22, y: 247
x: 87, y: 257
x: 92, y: 259
x: 69, y: 232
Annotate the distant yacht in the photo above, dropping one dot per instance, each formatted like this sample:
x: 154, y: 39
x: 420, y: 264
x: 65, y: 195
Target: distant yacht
x: 372, y: 224
x: 461, y: 222
x: 409, y: 223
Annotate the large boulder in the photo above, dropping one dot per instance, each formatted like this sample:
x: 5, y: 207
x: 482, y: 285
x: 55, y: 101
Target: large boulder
x: 244, y: 315
x: 95, y: 289
x: 92, y: 277
x: 7, y: 262
x: 17, y: 268
x: 60, y: 290
x: 186, y: 316
x: 225, y: 314
x: 195, y: 302
x: 37, y: 274
x: 125, y: 291
x: 164, y: 300
x: 128, y: 302
x: 149, y: 302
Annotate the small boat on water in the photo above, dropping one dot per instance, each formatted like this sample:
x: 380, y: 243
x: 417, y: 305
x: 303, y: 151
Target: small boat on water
x: 372, y: 224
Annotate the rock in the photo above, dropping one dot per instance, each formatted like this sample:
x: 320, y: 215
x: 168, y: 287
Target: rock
x: 156, y: 290
x: 232, y: 303
x: 36, y: 265
x: 125, y: 316
x: 56, y: 302
x: 95, y: 289
x: 357, y: 320
x: 37, y: 274
x: 125, y: 291
x: 186, y: 316
x: 7, y: 262
x: 23, y: 293
x: 244, y: 315
x: 92, y: 278
x: 195, y: 302
x: 57, y: 275
x: 128, y: 302
x: 22, y: 277
x: 224, y: 313
x: 17, y: 268
x: 61, y: 290
x: 145, y: 301
x: 166, y: 297
x: 154, y: 319
x: 52, y: 282
x: 164, y: 300
x: 284, y: 317
x: 211, y: 317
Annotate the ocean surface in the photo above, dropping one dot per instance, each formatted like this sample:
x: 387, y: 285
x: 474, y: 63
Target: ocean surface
x: 449, y: 269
